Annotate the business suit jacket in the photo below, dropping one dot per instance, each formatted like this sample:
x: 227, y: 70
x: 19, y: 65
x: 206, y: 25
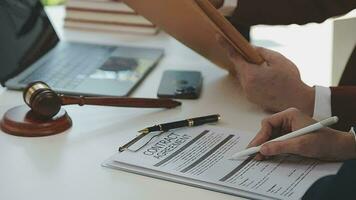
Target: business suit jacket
x: 339, y: 186
x: 283, y: 12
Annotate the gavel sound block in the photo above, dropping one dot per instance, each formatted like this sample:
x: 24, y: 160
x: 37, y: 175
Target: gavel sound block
x: 22, y: 121
x: 43, y: 115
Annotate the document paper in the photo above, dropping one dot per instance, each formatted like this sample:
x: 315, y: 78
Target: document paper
x: 199, y: 156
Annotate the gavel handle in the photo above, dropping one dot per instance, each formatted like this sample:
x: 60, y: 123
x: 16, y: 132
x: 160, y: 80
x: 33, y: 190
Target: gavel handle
x: 119, y: 102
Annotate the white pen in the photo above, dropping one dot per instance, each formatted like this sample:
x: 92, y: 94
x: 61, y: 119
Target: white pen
x: 300, y: 132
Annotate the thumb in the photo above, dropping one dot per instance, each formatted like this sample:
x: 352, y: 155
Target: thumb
x: 267, y: 54
x: 280, y: 147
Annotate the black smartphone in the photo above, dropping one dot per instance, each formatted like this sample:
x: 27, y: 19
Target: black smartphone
x: 180, y: 84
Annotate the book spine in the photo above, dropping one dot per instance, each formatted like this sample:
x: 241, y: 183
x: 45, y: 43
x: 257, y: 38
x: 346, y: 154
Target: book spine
x: 107, y: 17
x: 99, y: 10
x: 99, y: 6
x: 110, y: 28
x: 109, y: 23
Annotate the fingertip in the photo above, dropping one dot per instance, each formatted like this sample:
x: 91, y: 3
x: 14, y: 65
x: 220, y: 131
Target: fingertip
x: 259, y: 157
x: 275, y: 148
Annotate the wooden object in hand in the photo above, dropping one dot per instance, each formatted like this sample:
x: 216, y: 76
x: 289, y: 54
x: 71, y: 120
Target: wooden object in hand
x: 239, y: 42
x: 188, y: 23
x: 21, y: 121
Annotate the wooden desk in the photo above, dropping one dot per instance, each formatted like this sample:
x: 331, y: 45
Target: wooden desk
x: 68, y: 165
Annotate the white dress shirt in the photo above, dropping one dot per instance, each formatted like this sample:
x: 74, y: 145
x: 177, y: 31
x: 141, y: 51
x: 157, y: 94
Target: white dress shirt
x: 322, y: 105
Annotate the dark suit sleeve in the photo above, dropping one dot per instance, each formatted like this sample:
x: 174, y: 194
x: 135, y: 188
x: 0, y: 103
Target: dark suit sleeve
x: 280, y: 12
x: 339, y: 186
x: 343, y: 97
x: 343, y: 105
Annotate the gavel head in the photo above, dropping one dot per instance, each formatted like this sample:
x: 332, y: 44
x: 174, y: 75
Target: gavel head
x: 42, y: 100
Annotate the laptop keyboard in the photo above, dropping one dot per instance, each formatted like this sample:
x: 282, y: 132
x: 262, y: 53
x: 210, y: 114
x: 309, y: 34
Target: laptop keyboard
x: 70, y: 65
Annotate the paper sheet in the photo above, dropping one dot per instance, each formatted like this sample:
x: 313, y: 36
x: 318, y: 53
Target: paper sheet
x: 199, y: 156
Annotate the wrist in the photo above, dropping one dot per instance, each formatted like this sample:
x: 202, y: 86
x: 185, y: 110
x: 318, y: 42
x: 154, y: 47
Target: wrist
x: 307, y: 100
x: 347, y: 146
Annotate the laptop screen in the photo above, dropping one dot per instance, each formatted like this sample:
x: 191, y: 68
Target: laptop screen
x: 25, y: 35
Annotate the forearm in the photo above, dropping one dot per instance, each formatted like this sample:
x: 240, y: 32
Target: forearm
x: 279, y: 12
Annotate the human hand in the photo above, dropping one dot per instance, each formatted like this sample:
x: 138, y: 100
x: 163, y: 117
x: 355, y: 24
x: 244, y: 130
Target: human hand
x: 324, y: 144
x: 217, y: 3
x: 275, y: 85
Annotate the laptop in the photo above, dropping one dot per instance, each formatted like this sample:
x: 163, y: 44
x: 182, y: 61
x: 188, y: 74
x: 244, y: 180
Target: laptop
x: 30, y: 50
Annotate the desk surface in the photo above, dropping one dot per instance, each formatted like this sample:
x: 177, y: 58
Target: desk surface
x: 67, y: 166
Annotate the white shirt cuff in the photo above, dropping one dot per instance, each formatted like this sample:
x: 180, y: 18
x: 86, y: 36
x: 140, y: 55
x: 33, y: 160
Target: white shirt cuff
x: 228, y: 7
x: 322, y: 105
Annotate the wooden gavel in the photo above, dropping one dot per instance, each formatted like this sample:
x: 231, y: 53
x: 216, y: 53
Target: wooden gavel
x: 46, y: 103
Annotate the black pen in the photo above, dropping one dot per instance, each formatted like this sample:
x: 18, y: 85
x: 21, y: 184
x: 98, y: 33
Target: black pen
x: 172, y: 125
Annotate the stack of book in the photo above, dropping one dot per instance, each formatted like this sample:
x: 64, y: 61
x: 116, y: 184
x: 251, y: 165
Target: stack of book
x: 106, y: 15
